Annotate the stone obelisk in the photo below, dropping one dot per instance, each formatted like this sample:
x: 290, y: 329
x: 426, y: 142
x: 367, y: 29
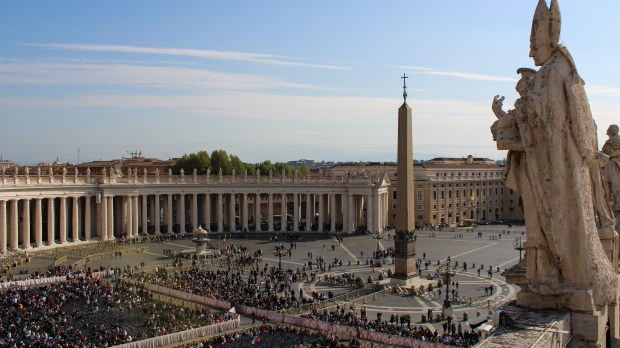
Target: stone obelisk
x: 404, y: 240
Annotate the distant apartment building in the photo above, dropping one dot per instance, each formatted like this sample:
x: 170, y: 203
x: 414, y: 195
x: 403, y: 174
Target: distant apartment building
x: 448, y: 191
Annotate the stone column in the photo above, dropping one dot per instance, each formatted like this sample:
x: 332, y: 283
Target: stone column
x: 321, y: 212
x: 14, y: 225
x: 110, y: 219
x: 63, y: 220
x: 145, y: 206
x: 270, y: 212
x: 87, y: 217
x: 296, y: 212
x: 38, y: 223
x: 181, y: 212
x: 75, y: 223
x: 244, y: 212
x: 370, y: 222
x: 104, y: 218
x: 283, y: 213
x: 26, y: 223
x: 334, y: 212
x: 220, y: 213
x: 231, y: 211
x: 350, y: 214
x: 51, y: 226
x: 194, y: 211
x: 157, y: 214
x: 207, y: 212
x: 169, y: 221
x: 135, y: 218
x: 129, y: 205
x: 2, y: 227
x: 309, y: 217
x: 257, y: 219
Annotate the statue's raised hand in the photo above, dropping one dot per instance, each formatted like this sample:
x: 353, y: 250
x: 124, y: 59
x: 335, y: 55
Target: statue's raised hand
x: 497, y: 106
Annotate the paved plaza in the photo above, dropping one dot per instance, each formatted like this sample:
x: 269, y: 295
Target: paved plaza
x: 494, y: 248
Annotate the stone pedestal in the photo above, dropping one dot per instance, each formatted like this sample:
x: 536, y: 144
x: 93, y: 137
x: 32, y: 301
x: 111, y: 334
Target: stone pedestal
x: 588, y: 329
x: 404, y: 260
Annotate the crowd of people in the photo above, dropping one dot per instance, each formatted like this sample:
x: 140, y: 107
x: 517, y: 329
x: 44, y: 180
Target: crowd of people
x: 274, y: 336
x: 268, y: 288
x: 89, y: 312
x: 398, y: 326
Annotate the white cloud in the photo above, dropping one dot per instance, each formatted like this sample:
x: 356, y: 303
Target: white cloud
x: 456, y: 74
x: 65, y: 73
x: 603, y: 91
x: 261, y: 58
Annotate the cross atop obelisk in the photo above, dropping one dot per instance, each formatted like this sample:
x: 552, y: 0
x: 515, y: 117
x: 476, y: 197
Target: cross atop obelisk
x: 404, y: 77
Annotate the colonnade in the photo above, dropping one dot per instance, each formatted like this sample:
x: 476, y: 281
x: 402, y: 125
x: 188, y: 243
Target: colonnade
x: 59, y: 212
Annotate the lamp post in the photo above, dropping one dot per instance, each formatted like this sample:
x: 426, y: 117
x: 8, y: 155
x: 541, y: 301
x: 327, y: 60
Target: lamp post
x: 447, y: 273
x: 518, y: 245
x: 279, y: 251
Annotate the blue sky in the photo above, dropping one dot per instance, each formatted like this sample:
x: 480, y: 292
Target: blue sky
x: 278, y: 80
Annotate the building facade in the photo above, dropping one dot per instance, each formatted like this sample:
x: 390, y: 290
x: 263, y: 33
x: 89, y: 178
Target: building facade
x: 449, y: 191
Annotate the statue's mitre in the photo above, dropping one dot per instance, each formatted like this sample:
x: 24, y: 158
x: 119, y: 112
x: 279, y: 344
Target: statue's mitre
x: 546, y: 23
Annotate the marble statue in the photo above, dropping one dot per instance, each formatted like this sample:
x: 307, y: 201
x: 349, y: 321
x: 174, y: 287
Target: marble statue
x: 611, y: 171
x: 554, y: 167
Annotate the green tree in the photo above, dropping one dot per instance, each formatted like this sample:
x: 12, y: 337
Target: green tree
x: 280, y: 167
x: 199, y: 160
x: 251, y: 168
x: 237, y: 165
x: 302, y: 170
x: 265, y: 167
x: 220, y: 159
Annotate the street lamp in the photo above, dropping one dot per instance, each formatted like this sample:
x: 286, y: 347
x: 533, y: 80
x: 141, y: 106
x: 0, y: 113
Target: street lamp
x: 279, y: 251
x: 518, y: 245
x: 447, y: 274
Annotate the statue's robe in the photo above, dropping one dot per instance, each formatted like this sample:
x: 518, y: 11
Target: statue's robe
x: 561, y: 190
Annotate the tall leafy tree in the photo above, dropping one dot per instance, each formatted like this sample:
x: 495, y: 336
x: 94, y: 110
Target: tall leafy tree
x: 237, y: 165
x: 265, y: 167
x: 199, y: 160
x: 220, y: 159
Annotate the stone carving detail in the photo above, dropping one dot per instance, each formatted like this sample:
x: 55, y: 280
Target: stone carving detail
x: 553, y: 166
x: 611, y: 171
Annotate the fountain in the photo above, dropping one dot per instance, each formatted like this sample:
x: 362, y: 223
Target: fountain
x: 202, y: 248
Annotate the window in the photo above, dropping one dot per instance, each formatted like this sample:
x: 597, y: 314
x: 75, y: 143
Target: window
x: 420, y: 217
x: 434, y: 206
x: 450, y: 194
x: 393, y: 194
x: 434, y: 195
x: 442, y: 195
x: 420, y: 195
